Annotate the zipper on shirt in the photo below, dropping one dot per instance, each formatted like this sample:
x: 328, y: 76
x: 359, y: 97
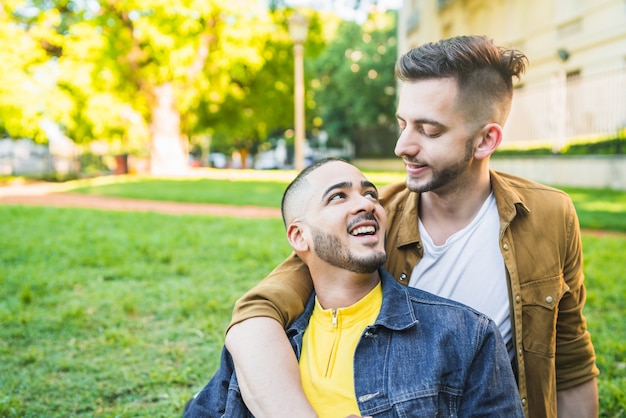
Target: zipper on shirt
x: 333, y: 354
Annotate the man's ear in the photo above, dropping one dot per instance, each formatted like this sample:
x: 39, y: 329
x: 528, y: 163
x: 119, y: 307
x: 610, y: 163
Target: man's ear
x: 490, y: 139
x: 295, y: 235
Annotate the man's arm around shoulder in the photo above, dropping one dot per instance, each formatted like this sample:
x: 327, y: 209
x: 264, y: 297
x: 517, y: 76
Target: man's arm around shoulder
x: 266, y: 366
x: 267, y: 369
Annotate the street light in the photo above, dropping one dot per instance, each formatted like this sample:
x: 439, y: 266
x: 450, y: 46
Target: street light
x: 298, y: 28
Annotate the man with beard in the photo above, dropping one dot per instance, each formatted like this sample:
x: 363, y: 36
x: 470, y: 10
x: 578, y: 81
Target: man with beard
x: 366, y: 344
x: 506, y: 246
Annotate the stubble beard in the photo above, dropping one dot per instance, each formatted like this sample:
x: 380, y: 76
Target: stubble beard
x: 445, y: 176
x: 330, y: 249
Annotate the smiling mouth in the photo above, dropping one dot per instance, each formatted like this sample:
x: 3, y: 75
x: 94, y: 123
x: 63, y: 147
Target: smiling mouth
x: 414, y: 165
x: 364, y: 225
x: 363, y: 230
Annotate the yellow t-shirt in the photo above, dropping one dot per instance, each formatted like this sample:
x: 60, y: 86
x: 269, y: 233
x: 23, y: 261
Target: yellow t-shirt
x: 327, y: 358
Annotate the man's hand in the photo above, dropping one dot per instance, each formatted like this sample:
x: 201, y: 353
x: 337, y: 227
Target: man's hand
x: 578, y: 402
x: 267, y: 369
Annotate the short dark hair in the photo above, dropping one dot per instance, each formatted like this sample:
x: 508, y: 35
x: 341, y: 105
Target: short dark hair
x: 483, y: 71
x: 298, y: 183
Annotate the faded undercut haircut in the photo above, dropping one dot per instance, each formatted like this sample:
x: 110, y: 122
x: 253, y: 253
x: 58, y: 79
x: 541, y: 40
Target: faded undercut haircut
x: 483, y: 71
x: 294, y: 192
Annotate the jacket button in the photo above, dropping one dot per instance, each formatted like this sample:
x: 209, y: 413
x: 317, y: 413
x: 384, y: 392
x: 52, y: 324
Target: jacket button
x: 418, y: 245
x: 402, y: 277
x: 518, y: 299
x: 549, y: 299
x: 505, y: 246
x: 523, y: 401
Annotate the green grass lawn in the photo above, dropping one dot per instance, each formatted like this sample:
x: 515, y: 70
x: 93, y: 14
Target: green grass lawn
x: 119, y: 314
x: 238, y: 193
x: 116, y: 314
x: 597, y: 208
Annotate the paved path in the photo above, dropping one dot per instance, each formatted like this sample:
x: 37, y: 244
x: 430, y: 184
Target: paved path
x: 51, y: 194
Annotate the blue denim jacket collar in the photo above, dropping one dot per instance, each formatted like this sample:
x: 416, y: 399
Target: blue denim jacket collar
x: 396, y: 312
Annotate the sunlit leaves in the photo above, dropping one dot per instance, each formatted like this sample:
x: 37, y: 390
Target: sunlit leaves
x: 363, y: 56
x: 20, y: 80
x: 85, y: 64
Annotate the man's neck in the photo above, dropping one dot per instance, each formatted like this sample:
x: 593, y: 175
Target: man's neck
x: 341, y: 288
x: 444, y: 213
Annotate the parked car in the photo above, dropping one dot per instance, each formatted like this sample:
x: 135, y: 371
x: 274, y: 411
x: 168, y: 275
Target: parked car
x: 266, y: 161
x: 218, y: 160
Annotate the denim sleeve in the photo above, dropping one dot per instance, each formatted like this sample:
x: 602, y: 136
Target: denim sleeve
x: 491, y: 390
x: 221, y: 396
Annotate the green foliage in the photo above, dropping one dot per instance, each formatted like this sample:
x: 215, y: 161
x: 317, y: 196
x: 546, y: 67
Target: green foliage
x: 100, y: 69
x: 23, y: 64
x: 230, y: 65
x: 354, y: 86
x: 610, y: 146
x: 529, y: 151
x: 261, y: 105
x: 613, y: 146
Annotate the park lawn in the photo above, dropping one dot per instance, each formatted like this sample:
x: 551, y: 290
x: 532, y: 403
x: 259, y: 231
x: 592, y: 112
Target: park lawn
x: 599, y: 208
x: 596, y: 208
x: 605, y: 310
x: 202, y: 190
x: 119, y: 314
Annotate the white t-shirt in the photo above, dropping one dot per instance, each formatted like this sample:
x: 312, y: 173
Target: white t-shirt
x: 469, y: 268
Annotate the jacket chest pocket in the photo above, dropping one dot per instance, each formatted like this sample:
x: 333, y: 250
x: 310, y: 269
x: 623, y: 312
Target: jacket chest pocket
x: 540, y: 302
x: 439, y: 404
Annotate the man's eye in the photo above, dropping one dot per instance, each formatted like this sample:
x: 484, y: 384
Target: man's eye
x: 372, y: 194
x: 336, y: 196
x: 430, y: 132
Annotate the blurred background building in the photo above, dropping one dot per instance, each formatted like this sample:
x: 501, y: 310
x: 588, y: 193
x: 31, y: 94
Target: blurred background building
x: 575, y: 86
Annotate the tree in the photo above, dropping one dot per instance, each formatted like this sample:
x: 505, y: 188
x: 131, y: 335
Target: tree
x: 354, y: 87
x: 25, y: 92
x: 260, y: 102
x: 153, y: 73
x: 139, y: 69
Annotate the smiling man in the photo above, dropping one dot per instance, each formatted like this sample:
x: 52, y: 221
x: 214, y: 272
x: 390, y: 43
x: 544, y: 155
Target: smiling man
x: 367, y: 345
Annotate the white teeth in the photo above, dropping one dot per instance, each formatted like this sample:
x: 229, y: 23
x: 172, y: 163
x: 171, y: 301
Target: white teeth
x: 364, y: 230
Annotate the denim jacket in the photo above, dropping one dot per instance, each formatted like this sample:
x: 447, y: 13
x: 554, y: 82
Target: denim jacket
x: 425, y: 356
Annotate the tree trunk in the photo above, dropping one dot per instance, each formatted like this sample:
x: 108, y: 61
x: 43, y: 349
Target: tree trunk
x: 168, y: 151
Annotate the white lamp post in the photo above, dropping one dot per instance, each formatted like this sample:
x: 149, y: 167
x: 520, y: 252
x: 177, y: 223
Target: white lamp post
x: 298, y: 28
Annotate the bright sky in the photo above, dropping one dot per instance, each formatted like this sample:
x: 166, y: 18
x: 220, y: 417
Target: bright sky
x: 345, y: 8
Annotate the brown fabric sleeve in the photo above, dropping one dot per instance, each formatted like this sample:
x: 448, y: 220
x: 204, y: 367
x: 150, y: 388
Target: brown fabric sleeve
x: 282, y: 295
x: 575, y: 355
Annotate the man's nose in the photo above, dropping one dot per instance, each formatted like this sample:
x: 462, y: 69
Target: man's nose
x: 406, y: 144
x: 365, y: 204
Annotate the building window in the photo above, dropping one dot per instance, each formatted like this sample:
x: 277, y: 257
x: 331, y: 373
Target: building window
x: 413, y: 22
x: 441, y: 4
